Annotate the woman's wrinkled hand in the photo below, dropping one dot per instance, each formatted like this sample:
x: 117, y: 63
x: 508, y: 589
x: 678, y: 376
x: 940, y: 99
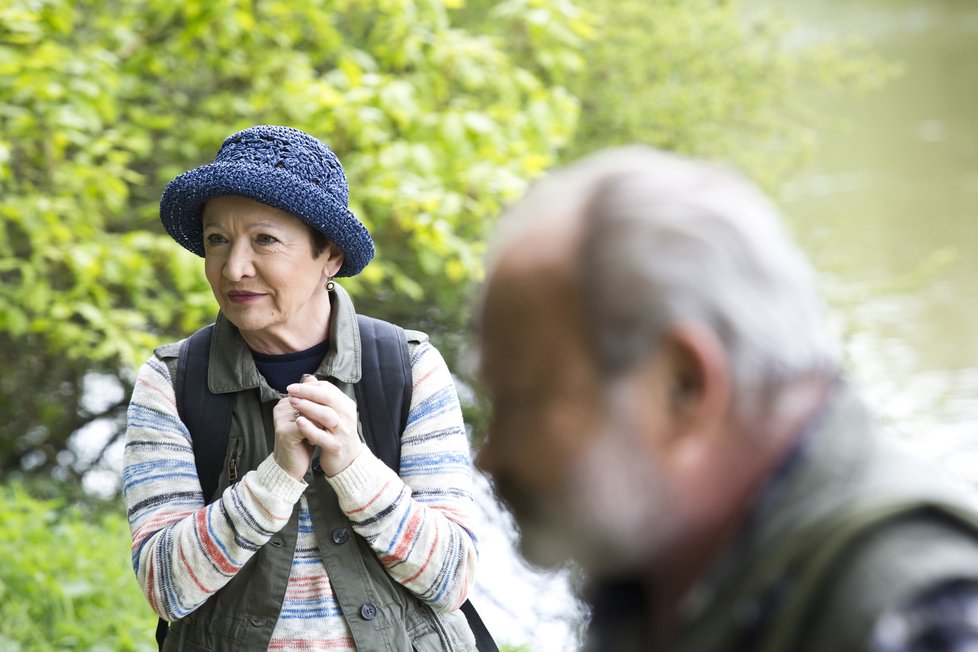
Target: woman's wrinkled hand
x: 292, y: 451
x: 328, y: 419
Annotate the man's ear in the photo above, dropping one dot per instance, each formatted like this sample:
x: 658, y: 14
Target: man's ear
x: 699, y: 372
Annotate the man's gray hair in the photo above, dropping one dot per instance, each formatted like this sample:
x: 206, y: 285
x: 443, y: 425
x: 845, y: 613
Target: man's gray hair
x: 666, y: 239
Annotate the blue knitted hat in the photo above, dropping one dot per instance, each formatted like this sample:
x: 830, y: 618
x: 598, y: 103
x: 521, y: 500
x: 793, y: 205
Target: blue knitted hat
x: 279, y: 166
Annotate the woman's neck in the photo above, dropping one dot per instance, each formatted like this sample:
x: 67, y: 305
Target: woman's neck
x: 297, y: 335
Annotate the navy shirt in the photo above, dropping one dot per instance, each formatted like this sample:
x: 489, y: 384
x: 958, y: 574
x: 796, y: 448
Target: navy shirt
x: 283, y: 369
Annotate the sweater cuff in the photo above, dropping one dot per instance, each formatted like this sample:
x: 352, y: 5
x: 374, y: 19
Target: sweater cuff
x: 359, y: 484
x: 280, y: 486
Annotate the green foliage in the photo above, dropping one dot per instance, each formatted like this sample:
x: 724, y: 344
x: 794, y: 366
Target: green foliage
x: 702, y: 78
x: 101, y: 103
x: 65, y: 581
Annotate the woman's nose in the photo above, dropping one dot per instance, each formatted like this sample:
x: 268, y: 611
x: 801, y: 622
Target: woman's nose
x: 239, y: 264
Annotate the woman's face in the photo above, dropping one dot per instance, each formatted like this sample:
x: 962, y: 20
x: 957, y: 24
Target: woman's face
x: 260, y: 265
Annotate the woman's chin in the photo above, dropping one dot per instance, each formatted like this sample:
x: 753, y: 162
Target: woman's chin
x: 246, y: 318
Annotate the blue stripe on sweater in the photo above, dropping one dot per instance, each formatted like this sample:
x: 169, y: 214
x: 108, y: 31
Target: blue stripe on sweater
x: 434, y: 464
x: 399, y: 530
x: 449, y: 568
x: 217, y: 540
x: 146, y: 418
x: 313, y: 608
x: 433, y: 405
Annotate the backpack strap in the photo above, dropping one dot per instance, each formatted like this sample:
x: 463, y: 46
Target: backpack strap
x: 202, y: 412
x: 206, y: 415
x: 483, y: 639
x: 384, y: 391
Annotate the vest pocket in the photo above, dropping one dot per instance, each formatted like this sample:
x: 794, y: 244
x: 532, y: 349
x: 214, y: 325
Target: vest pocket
x: 424, y: 638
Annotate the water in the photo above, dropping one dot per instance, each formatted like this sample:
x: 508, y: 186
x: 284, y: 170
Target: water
x: 888, y: 211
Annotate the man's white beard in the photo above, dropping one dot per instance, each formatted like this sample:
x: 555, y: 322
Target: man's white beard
x: 617, y: 512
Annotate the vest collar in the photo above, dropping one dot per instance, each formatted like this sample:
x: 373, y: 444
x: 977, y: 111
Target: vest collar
x: 832, y: 453
x: 231, y: 367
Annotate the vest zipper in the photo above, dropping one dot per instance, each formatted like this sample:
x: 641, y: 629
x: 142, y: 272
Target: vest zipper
x: 233, y: 461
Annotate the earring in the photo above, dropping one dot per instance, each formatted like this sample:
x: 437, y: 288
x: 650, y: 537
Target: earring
x: 330, y: 285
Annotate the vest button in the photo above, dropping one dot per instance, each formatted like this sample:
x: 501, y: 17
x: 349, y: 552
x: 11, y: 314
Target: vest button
x: 368, y: 611
x: 340, y: 536
x: 276, y: 542
x: 257, y: 622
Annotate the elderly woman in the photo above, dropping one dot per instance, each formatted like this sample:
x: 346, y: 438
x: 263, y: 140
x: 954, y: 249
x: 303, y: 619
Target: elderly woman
x: 268, y: 561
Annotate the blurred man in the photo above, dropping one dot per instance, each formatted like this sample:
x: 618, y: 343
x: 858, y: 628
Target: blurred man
x: 669, y: 413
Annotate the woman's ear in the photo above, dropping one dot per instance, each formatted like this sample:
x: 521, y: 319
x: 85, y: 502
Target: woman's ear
x: 333, y: 262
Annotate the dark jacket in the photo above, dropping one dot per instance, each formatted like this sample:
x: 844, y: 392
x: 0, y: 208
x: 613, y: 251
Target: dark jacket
x: 853, y: 527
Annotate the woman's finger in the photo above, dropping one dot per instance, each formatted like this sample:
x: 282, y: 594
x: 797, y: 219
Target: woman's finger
x: 292, y: 451
x: 323, y: 392
x: 322, y: 415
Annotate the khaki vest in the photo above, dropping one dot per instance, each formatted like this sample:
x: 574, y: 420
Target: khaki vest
x: 831, y: 549
x: 381, y: 614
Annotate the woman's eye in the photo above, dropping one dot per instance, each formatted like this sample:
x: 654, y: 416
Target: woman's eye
x: 265, y: 239
x: 214, y: 239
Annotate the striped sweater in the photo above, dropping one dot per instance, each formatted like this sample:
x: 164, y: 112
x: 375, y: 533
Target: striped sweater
x: 419, y: 523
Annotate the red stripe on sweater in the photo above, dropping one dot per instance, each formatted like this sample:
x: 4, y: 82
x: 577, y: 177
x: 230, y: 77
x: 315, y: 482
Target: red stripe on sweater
x: 210, y: 547
x: 425, y: 377
x: 150, y: 585
x: 431, y: 553
x: 190, y: 571
x: 372, y: 500
x: 345, y: 643
x: 153, y: 387
x: 410, y: 532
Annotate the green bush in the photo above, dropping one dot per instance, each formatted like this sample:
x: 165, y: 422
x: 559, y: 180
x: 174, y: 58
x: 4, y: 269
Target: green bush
x: 65, y: 579
x: 102, y: 103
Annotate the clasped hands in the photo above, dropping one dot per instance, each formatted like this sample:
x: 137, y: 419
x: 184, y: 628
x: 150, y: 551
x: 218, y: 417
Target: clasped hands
x: 315, y: 413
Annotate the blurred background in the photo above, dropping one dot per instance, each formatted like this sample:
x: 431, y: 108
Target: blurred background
x: 860, y: 117
x: 888, y: 210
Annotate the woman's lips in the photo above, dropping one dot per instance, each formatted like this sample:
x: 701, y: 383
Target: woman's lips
x: 244, y: 297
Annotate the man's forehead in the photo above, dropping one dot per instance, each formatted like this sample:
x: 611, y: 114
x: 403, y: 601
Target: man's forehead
x: 547, y: 243
x: 532, y: 273
x: 530, y: 313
